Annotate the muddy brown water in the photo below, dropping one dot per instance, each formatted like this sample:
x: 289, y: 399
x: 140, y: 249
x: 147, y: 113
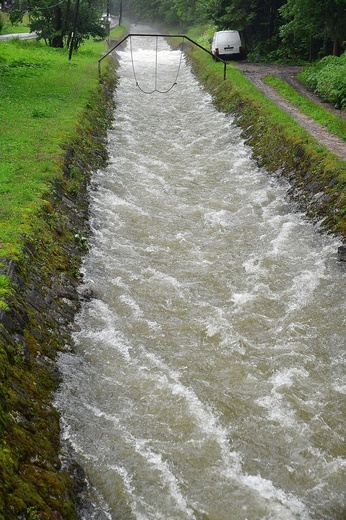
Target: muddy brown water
x: 208, y: 375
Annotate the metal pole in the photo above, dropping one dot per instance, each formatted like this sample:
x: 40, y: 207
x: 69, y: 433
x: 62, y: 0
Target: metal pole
x: 109, y: 52
x: 74, y: 29
x: 163, y: 36
x: 120, y: 12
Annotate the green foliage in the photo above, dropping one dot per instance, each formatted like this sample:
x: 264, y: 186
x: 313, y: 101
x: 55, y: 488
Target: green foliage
x: 328, y: 79
x: 274, y: 30
x: 4, y: 283
x: 313, y: 28
x: 280, y: 30
x: 55, y: 24
x: 170, y: 12
x: 203, y: 34
x: 10, y: 27
x: 33, y: 513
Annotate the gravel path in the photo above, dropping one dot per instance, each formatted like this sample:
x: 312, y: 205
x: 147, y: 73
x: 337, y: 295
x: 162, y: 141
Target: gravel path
x: 256, y: 73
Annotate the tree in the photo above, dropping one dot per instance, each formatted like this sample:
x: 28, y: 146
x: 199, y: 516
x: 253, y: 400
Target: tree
x: 289, y: 29
x: 314, y: 26
x: 286, y: 28
x: 169, y: 12
x: 257, y: 20
x: 53, y: 20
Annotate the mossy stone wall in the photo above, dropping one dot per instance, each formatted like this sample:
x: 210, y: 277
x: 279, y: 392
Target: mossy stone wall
x: 34, y: 482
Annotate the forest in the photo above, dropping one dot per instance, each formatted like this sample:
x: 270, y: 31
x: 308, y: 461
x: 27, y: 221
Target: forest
x: 295, y: 31
x: 287, y: 30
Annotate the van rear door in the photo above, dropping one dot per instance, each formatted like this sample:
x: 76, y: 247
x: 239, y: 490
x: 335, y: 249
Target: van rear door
x: 226, y: 43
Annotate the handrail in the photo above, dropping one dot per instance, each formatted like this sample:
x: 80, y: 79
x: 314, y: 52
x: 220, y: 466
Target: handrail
x: 163, y: 36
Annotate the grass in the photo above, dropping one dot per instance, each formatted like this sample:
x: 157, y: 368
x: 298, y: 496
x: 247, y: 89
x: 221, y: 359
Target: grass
x: 334, y: 124
x: 8, y: 28
x: 4, y: 290
x: 43, y: 96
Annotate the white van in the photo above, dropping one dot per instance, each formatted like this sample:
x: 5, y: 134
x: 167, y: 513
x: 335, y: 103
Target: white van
x: 226, y: 44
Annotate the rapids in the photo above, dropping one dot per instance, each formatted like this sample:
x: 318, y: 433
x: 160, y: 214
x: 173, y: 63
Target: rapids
x: 208, y: 379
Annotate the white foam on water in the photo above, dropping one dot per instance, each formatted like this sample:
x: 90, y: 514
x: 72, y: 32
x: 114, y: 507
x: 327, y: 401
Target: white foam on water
x: 340, y: 387
x: 279, y: 502
x: 281, y: 505
x: 278, y: 408
x: 102, y: 334
x: 208, y: 374
x: 240, y: 299
x: 127, y: 300
x: 167, y: 479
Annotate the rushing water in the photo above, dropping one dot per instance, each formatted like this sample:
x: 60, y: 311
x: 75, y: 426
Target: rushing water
x: 208, y: 379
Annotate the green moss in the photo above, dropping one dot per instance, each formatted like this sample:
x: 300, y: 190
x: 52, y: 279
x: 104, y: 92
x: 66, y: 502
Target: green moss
x: 5, y: 291
x: 32, y: 483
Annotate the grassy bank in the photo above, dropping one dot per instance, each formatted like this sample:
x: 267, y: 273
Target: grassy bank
x: 43, y: 96
x: 54, y: 117
x: 318, y: 178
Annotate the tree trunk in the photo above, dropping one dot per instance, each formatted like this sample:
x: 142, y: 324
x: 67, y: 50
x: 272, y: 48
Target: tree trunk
x: 57, y: 40
x: 336, y: 47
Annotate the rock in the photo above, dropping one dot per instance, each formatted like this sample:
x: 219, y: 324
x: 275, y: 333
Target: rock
x: 342, y: 253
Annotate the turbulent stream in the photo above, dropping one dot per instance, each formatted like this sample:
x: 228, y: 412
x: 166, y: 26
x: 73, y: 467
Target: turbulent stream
x: 207, y: 380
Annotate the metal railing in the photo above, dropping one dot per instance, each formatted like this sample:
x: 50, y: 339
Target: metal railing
x: 183, y: 36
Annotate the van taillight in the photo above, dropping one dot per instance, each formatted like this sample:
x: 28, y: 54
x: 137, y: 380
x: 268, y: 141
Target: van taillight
x: 216, y: 50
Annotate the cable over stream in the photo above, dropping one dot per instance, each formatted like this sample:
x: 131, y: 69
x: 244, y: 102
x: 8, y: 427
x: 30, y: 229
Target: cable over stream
x: 181, y: 36
x: 156, y: 70
x: 207, y: 377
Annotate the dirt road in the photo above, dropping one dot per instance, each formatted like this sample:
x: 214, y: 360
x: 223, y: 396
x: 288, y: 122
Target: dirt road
x: 256, y: 73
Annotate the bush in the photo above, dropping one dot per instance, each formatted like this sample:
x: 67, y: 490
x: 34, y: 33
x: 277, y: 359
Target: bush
x: 328, y: 79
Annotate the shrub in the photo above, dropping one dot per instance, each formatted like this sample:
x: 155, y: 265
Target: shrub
x: 328, y: 79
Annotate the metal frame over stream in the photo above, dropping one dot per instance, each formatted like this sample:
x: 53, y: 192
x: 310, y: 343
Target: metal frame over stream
x: 182, y: 36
